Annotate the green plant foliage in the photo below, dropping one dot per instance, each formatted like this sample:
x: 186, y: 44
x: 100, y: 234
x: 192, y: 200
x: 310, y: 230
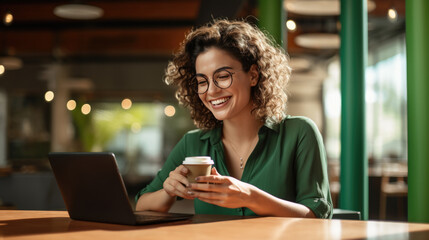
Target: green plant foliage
x: 106, y: 120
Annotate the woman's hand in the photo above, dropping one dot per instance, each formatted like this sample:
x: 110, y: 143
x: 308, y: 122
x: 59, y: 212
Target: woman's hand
x: 222, y: 190
x: 231, y: 193
x: 176, y: 183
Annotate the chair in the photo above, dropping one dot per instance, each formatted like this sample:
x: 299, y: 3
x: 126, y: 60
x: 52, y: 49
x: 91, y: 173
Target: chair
x: 346, y: 214
x: 334, y: 181
x: 334, y: 187
x: 392, y: 185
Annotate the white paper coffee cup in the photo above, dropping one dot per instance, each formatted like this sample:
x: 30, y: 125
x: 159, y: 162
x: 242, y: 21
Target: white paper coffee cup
x: 197, y: 166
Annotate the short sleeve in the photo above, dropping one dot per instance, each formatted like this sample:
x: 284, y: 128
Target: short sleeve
x: 312, y: 186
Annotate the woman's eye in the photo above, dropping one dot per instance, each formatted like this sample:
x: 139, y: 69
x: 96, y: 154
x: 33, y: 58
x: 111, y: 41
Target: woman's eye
x: 223, y: 77
x: 202, y: 83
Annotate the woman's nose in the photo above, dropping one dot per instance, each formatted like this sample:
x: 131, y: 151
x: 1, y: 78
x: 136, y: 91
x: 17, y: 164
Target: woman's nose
x: 213, y: 88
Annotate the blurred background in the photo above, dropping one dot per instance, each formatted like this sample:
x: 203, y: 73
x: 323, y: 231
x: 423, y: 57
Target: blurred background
x: 89, y: 77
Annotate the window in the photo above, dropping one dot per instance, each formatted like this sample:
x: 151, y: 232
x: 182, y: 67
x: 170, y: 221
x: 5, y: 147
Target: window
x: 385, y: 97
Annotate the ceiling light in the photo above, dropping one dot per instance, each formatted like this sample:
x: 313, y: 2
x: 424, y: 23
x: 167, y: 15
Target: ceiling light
x: 291, y: 25
x: 313, y: 7
x: 8, y: 19
x: 300, y: 64
x: 318, y: 7
x: 78, y: 11
x: 392, y: 15
x: 318, y: 40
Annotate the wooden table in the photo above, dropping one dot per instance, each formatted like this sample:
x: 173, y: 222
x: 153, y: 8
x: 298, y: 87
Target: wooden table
x: 16, y: 224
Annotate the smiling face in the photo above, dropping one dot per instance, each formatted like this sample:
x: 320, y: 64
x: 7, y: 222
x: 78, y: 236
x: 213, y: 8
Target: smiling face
x: 233, y: 102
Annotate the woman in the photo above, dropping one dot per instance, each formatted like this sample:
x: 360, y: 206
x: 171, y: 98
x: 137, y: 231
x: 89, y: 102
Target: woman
x: 233, y: 80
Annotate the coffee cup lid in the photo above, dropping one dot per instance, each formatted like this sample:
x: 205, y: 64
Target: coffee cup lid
x: 198, y: 160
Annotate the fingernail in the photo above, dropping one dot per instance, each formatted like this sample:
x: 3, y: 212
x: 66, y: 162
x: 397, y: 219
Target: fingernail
x: 190, y: 193
x: 197, y: 178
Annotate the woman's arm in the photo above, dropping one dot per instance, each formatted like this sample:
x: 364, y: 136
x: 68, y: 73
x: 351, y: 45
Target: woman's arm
x: 265, y: 204
x: 163, y: 199
x: 232, y: 193
x: 155, y: 201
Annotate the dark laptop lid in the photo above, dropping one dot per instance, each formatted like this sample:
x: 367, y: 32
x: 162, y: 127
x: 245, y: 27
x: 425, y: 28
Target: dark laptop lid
x: 92, y: 187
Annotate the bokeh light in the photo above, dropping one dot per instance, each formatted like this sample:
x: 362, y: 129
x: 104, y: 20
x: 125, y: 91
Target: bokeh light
x: 291, y: 25
x: 169, y: 111
x: 126, y: 103
x: 71, y: 105
x: 392, y: 14
x: 49, y: 96
x: 86, y: 109
x: 8, y: 19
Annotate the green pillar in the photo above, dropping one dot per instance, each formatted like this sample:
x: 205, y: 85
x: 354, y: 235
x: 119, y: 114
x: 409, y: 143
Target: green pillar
x: 417, y: 35
x: 272, y: 18
x: 353, y: 53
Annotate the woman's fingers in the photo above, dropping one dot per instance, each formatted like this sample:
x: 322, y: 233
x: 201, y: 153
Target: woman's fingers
x: 182, y: 170
x: 203, y: 196
x: 204, y: 187
x: 218, y: 179
x: 214, y: 172
x: 179, y: 177
x: 174, y: 188
x: 174, y: 191
x: 175, y: 184
x: 217, y: 200
x: 220, y: 190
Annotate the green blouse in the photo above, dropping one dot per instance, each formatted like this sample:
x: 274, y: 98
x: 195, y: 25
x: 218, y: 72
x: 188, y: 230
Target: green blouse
x: 289, y: 162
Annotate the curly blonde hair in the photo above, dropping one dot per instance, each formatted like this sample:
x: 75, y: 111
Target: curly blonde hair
x: 247, y: 44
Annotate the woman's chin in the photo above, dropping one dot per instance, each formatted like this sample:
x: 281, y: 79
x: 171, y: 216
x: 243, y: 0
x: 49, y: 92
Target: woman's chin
x: 220, y: 116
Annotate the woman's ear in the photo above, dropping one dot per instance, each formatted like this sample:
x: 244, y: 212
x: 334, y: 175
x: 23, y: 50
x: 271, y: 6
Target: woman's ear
x: 254, y: 75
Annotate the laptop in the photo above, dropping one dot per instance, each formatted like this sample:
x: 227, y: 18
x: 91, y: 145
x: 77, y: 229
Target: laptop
x: 93, y: 190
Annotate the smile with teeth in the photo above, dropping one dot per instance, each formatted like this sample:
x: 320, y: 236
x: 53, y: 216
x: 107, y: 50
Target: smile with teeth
x: 219, y: 101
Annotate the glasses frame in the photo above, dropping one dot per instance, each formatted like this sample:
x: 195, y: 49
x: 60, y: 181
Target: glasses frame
x: 194, y: 81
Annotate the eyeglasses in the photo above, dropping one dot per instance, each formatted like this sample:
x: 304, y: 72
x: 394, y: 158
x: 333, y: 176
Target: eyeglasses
x: 222, y: 78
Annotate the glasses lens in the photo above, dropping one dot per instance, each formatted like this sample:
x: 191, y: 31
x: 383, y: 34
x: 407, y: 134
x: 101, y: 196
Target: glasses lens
x: 223, y: 79
x: 201, y: 84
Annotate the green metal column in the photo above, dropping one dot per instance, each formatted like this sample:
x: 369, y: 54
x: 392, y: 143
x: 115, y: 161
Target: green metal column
x: 272, y: 19
x: 353, y: 53
x: 417, y: 35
